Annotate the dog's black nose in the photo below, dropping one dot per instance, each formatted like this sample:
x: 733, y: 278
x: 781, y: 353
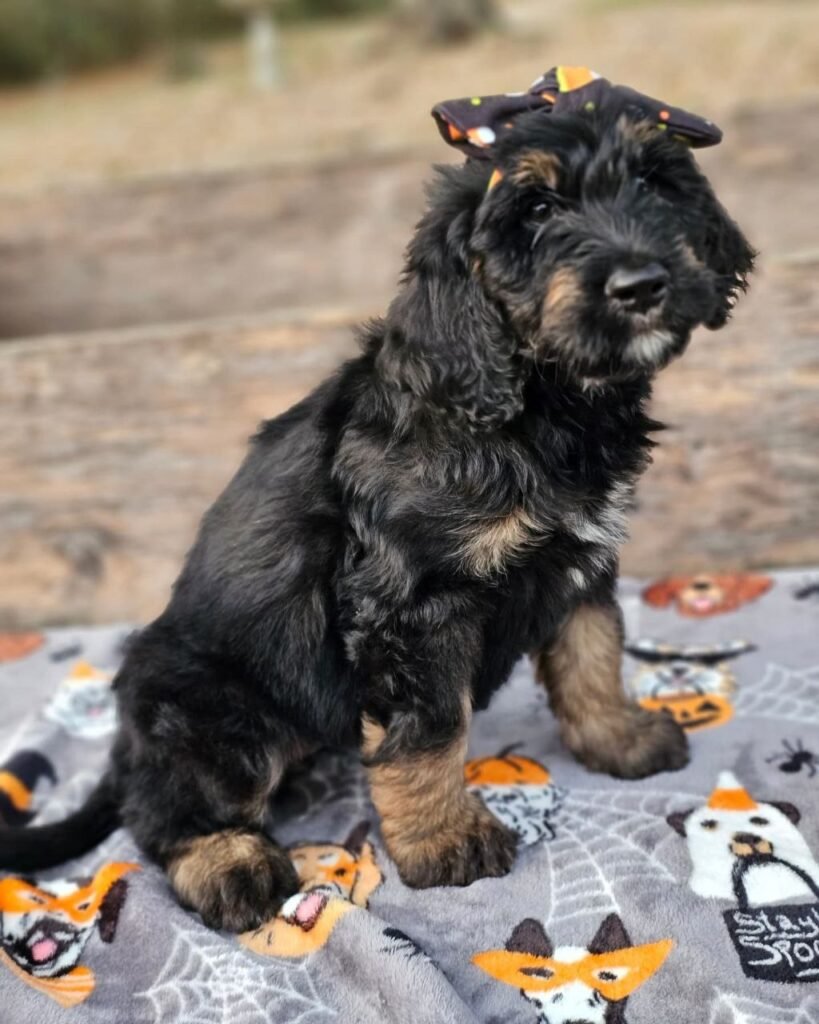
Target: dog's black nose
x: 638, y: 291
x: 749, y: 838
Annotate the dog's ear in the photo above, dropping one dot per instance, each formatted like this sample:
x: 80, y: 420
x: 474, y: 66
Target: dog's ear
x: 660, y: 595
x: 110, y: 909
x: 678, y: 819
x: 354, y: 842
x: 609, y: 936
x: 530, y: 937
x: 791, y: 812
x: 728, y: 254
x: 747, y: 586
x: 446, y: 341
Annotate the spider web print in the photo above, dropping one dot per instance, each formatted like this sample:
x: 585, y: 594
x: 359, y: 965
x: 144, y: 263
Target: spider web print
x: 206, y: 980
x: 791, y: 695
x: 733, y: 1009
x: 603, y: 840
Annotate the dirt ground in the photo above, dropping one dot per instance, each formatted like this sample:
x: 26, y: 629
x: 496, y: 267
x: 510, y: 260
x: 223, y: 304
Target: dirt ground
x: 363, y: 87
x: 179, y: 261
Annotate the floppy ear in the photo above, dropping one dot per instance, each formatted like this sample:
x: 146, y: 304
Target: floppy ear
x: 355, y: 840
x: 446, y: 341
x: 790, y: 811
x: 660, y: 595
x: 609, y: 936
x: 729, y: 254
x: 110, y: 909
x: 748, y: 586
x: 678, y: 819
x: 530, y: 937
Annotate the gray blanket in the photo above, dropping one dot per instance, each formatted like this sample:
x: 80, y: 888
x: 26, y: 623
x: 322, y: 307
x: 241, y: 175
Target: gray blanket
x: 687, y: 897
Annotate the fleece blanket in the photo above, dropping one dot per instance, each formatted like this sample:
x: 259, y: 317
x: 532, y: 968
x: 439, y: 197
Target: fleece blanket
x: 688, y: 897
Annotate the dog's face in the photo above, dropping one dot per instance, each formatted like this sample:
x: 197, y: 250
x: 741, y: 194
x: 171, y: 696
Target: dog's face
x: 605, y: 243
x: 768, y: 830
x: 707, y: 594
x: 44, y: 928
x: 575, y: 984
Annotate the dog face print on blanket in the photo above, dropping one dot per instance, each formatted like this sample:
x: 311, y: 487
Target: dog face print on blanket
x: 752, y: 853
x: 335, y: 879
x: 693, y: 683
x: 15, y: 646
x: 739, y: 844
x: 706, y: 594
x: 84, y: 703
x: 519, y: 792
x: 575, y: 984
x: 45, y: 927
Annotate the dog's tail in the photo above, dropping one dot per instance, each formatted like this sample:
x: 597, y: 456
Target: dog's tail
x: 45, y: 846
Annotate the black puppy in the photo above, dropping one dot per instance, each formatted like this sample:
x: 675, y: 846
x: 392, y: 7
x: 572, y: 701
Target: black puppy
x: 450, y: 500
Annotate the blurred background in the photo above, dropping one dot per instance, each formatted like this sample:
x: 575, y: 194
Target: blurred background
x: 200, y: 198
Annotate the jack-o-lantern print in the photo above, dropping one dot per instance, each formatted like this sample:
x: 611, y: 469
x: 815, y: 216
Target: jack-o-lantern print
x: 692, y: 683
x: 519, y: 791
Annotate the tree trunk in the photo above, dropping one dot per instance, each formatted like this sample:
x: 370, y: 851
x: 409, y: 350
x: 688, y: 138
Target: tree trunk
x: 448, y: 21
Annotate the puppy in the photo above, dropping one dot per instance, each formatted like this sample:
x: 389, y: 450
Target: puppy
x: 448, y: 501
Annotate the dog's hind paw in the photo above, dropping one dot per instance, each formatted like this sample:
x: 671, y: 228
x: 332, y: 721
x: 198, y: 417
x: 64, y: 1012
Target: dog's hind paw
x: 235, y: 880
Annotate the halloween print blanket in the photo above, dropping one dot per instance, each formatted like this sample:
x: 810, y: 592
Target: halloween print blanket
x: 688, y: 897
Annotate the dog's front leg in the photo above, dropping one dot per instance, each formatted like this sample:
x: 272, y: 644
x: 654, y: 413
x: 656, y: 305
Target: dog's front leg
x: 434, y: 829
x: 599, y: 724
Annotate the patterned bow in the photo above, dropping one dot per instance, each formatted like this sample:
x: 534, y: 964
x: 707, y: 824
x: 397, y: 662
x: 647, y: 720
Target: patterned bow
x: 475, y: 124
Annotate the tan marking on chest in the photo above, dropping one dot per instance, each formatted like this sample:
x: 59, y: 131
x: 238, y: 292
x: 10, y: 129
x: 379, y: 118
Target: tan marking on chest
x: 488, y: 546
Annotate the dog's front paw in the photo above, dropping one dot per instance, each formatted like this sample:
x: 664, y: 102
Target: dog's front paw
x: 633, y: 745
x: 235, y: 880
x: 476, y: 846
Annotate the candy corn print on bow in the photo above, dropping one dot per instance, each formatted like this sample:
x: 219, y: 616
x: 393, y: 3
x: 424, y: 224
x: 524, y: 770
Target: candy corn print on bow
x: 475, y: 124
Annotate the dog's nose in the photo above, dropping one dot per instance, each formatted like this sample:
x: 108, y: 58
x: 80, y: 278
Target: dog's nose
x: 747, y: 838
x: 638, y: 291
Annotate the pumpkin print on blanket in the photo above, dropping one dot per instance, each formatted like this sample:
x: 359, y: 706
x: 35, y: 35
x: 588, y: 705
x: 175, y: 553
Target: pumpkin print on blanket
x: 519, y: 791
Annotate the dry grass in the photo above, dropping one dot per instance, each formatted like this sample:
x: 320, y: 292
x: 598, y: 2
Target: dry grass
x: 357, y: 87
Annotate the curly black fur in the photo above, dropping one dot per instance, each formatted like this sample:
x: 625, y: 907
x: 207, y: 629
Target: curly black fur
x: 442, y: 504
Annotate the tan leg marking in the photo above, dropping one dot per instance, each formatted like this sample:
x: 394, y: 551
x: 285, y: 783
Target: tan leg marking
x: 602, y: 728
x: 436, y: 832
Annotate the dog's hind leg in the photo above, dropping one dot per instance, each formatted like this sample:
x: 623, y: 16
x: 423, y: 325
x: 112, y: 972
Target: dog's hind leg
x: 195, y: 776
x: 236, y: 878
x: 202, y: 820
x: 599, y: 724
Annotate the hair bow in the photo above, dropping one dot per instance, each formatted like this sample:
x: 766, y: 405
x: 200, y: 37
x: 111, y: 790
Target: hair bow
x: 476, y: 123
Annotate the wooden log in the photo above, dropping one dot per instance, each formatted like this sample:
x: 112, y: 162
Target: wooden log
x: 113, y: 444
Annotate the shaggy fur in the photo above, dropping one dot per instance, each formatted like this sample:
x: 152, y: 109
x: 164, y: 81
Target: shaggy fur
x: 451, y: 499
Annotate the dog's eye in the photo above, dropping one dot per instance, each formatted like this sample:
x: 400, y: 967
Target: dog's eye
x: 709, y: 824
x: 759, y: 821
x: 540, y: 210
